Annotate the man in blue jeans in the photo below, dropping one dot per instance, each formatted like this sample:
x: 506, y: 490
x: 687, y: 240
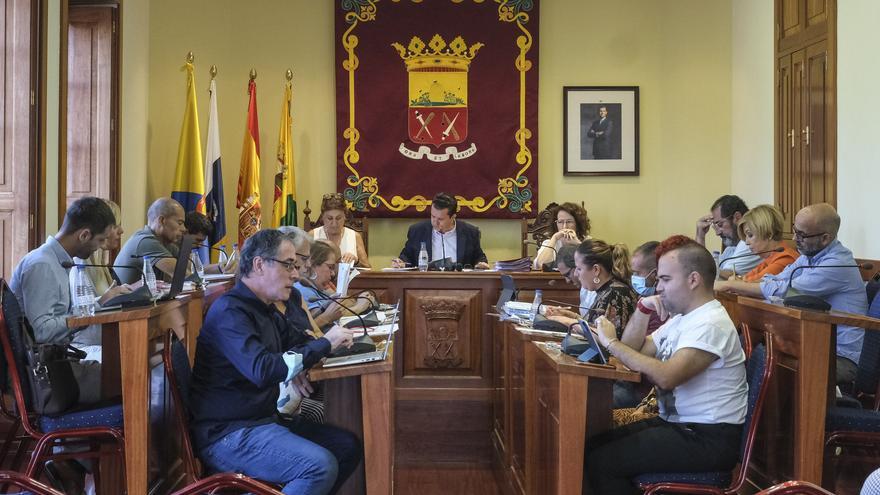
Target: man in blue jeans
x: 240, y: 360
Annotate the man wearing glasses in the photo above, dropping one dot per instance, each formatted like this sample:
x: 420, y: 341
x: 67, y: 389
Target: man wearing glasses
x: 815, y: 233
x: 245, y: 349
x: 726, y: 214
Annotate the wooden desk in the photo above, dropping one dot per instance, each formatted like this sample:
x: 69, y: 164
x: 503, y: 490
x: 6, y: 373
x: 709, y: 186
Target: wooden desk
x: 792, y: 431
x: 373, y: 421
x: 444, y: 372
x: 509, y: 425
x: 565, y: 401
x: 131, y: 341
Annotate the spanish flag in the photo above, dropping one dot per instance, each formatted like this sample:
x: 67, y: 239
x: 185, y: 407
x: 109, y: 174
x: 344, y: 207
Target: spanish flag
x: 189, y: 186
x: 214, y: 205
x: 248, y: 199
x: 284, y: 206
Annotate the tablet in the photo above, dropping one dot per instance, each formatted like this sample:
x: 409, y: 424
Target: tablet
x: 594, y: 353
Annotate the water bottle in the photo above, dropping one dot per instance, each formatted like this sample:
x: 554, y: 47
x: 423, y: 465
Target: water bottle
x: 198, y: 267
x: 222, y: 258
x: 536, y: 305
x: 233, y: 258
x: 84, y: 294
x: 423, y: 258
x: 150, y: 276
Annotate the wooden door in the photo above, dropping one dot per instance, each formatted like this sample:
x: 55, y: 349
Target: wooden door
x: 789, y: 22
x: 89, y: 166
x: 818, y: 162
x: 18, y: 146
x: 786, y: 141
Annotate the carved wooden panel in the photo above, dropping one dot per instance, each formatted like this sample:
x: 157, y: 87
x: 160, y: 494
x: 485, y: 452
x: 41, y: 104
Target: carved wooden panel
x: 444, y: 333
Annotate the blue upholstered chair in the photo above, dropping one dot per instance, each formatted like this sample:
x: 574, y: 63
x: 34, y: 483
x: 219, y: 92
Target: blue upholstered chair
x: 759, y: 370
x: 88, y: 428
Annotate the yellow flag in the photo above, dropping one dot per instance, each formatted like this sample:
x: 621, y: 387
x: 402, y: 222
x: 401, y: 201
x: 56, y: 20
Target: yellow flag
x: 189, y: 188
x: 284, y: 206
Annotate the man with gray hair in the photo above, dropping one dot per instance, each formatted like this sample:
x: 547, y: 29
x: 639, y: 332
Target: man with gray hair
x: 245, y: 349
x: 158, y: 239
x: 818, y: 274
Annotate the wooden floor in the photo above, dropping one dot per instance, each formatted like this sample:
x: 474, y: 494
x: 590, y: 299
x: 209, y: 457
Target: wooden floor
x: 445, y: 481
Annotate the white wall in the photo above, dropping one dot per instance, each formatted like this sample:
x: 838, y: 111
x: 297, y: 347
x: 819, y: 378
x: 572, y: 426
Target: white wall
x: 752, y: 101
x: 858, y: 126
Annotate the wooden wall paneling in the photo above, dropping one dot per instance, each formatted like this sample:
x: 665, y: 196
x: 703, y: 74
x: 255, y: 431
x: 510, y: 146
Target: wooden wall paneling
x: 789, y: 25
x: 18, y: 28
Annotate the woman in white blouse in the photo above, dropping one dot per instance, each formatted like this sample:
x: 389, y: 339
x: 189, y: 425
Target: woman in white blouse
x: 571, y: 225
x: 349, y: 242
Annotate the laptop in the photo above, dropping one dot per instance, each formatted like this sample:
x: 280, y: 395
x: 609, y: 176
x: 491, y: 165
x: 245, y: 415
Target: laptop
x: 142, y: 296
x: 508, y: 293
x: 367, y: 357
x: 594, y: 353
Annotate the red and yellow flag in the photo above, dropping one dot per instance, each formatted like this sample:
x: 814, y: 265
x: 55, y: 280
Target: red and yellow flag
x: 248, y: 199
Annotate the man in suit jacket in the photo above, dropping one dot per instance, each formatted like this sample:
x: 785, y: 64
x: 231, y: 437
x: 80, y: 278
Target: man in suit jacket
x: 444, y: 237
x: 601, y: 132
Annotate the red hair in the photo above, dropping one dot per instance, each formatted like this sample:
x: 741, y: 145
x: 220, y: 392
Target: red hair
x: 672, y: 243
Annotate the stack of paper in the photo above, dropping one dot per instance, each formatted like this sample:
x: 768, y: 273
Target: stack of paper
x: 517, y: 265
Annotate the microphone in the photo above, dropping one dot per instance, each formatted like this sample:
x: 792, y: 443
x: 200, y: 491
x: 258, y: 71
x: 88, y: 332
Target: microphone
x: 198, y: 281
x: 805, y: 301
x: 777, y: 250
x: 597, y: 311
x: 68, y: 264
x: 443, y: 247
x: 546, y: 267
x: 359, y: 345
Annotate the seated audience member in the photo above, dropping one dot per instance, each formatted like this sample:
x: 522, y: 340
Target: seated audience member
x: 444, y: 237
x: 333, y: 229
x: 726, y: 212
x: 104, y: 284
x: 304, y: 332
x: 199, y: 226
x: 644, y: 269
x: 242, y: 354
x: 604, y: 269
x: 159, y: 238
x: 317, y: 287
x: 761, y: 229
x: 571, y: 224
x: 815, y: 234
x: 42, y: 285
x: 566, y: 266
x: 697, y: 364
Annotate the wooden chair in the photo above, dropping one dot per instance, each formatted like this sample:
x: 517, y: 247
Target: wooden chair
x: 178, y: 375
x: 89, y: 428
x: 759, y: 371
x: 795, y: 488
x: 18, y: 480
x: 358, y: 224
x: 538, y: 229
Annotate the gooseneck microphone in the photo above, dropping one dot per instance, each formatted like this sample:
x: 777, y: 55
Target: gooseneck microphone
x: 546, y: 267
x: 359, y: 345
x: 806, y: 301
x: 597, y: 311
x: 746, y: 255
x: 198, y: 280
x: 539, y: 246
x: 69, y: 264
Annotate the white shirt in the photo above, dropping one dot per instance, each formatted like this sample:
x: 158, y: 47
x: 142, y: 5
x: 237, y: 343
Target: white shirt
x: 348, y: 244
x: 588, y: 297
x: 444, y: 245
x: 717, y: 395
x: 740, y: 265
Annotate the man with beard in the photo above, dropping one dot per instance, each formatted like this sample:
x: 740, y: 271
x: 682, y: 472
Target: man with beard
x: 725, y: 215
x: 815, y: 233
x: 698, y: 366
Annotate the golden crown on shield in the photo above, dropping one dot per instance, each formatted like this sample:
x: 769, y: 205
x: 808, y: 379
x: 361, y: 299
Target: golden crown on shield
x: 437, y: 54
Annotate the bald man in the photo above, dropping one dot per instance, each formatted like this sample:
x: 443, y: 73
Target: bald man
x: 815, y: 233
x: 160, y: 237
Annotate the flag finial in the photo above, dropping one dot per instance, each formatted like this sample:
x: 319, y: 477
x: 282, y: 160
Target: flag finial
x: 253, y: 74
x: 289, y: 75
x: 213, y: 71
x: 189, y: 57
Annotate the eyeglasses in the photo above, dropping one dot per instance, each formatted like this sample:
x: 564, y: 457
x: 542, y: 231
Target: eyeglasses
x: 567, y: 274
x: 720, y: 223
x: 331, y: 266
x: 803, y: 235
x: 289, y: 265
x: 565, y: 222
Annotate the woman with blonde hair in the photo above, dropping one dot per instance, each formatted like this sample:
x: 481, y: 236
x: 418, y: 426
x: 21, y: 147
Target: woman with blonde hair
x: 761, y: 229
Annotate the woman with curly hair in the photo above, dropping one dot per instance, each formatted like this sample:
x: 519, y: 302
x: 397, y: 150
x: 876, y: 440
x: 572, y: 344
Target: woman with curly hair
x: 571, y: 225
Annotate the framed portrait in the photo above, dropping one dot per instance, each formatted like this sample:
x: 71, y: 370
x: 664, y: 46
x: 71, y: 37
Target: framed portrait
x: 600, y: 130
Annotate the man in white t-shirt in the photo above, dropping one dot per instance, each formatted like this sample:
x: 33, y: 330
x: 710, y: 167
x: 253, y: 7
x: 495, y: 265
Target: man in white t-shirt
x: 697, y: 364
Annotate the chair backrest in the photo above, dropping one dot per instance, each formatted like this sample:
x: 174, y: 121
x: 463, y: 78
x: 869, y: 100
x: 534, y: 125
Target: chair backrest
x: 360, y: 224
x: 15, y: 337
x: 795, y: 488
x: 21, y: 481
x: 759, y: 371
x: 868, y: 374
x: 178, y: 375
x: 539, y: 229
x: 228, y: 481
x: 745, y: 338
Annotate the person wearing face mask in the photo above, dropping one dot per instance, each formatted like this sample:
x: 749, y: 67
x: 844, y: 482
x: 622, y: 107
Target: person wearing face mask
x: 815, y: 234
x: 726, y: 213
x: 644, y: 268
